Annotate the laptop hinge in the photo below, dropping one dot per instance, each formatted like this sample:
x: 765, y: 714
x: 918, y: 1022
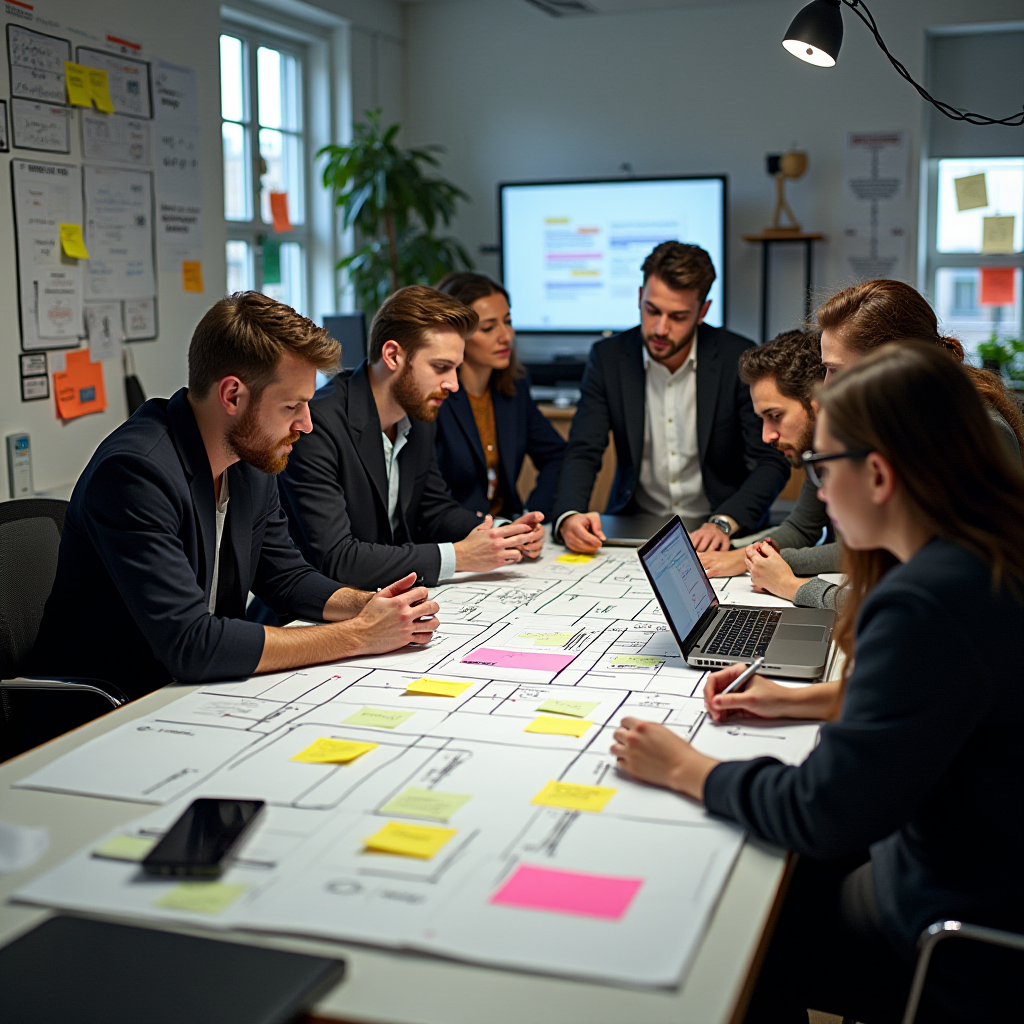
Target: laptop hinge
x: 702, y: 624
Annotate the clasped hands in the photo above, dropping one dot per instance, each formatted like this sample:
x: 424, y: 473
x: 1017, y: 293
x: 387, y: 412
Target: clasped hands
x: 769, y: 571
x: 489, y: 546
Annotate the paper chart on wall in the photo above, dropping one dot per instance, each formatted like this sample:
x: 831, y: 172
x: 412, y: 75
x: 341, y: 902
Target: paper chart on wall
x: 128, y: 80
x: 112, y: 138
x: 36, y: 62
x: 42, y: 126
x: 45, y: 196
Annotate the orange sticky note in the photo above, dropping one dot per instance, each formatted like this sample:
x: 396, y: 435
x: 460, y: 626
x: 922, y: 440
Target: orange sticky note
x: 79, y: 389
x: 279, y: 211
x: 997, y: 286
x: 192, y: 275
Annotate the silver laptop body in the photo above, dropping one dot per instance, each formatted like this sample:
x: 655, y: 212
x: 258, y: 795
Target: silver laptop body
x: 793, y: 641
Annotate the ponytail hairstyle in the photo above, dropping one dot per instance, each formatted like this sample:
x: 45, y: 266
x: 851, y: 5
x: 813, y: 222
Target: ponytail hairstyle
x: 877, y: 312
x: 961, y: 483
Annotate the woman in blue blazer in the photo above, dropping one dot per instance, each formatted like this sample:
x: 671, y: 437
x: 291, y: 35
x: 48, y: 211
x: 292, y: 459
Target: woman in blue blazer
x: 487, y: 427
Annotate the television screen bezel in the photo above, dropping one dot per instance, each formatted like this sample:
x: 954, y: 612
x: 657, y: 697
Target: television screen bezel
x: 723, y: 178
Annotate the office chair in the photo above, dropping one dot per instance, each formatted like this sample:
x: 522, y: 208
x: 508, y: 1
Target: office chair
x: 30, y: 532
x: 933, y: 935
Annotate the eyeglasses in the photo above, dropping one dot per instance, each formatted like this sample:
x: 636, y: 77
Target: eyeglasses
x: 812, y: 460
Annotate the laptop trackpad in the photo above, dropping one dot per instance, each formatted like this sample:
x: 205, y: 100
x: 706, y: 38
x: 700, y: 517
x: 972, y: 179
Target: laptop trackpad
x: 791, y: 631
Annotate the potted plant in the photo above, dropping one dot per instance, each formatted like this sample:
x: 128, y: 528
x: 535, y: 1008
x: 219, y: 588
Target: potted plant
x: 385, y: 193
x: 1004, y: 356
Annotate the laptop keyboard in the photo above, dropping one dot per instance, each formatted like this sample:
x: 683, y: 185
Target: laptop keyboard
x: 744, y: 633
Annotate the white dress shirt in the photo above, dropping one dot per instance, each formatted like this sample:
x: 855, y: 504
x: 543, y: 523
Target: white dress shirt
x: 391, y: 451
x: 670, y: 479
x: 222, y: 515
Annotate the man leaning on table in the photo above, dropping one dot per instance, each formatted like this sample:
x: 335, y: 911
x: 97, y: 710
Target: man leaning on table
x: 176, y: 519
x: 685, y: 434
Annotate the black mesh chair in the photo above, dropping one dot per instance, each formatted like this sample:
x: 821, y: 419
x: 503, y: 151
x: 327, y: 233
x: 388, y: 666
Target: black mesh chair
x: 30, y: 532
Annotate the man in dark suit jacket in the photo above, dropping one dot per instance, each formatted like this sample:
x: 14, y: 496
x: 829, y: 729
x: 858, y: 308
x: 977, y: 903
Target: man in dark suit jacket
x: 686, y: 436
x: 363, y: 494
x: 176, y: 518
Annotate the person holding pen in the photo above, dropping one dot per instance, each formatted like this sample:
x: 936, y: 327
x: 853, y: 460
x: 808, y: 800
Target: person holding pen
x: 907, y: 811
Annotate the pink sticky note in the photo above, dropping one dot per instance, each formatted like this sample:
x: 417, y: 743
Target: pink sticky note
x: 568, y: 892
x: 517, y: 659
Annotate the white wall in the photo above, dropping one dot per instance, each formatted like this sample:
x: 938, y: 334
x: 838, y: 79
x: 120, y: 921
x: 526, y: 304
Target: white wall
x: 514, y: 94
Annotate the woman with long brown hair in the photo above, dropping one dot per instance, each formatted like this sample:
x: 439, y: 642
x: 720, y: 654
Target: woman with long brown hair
x: 921, y: 759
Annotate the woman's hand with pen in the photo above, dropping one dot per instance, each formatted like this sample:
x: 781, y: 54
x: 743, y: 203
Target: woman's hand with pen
x: 761, y: 698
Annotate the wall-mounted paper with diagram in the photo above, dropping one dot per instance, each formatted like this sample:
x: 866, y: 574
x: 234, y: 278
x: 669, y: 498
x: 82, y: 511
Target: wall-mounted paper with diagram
x: 79, y: 388
x: 103, y: 325
x: 36, y: 61
x: 127, y: 80
x: 139, y: 319
x: 126, y: 140
x: 997, y: 234
x: 59, y: 305
x: 41, y: 126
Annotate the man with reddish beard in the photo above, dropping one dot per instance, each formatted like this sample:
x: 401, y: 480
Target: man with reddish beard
x: 364, y: 496
x: 177, y: 518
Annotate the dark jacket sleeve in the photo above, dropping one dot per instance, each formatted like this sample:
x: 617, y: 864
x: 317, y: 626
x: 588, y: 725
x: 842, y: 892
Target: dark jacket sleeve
x: 898, y: 725
x: 546, y: 448
x: 137, y: 540
x: 588, y: 438
x: 437, y: 516
x: 749, y: 504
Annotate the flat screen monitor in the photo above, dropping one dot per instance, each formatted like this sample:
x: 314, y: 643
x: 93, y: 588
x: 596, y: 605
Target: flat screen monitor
x: 571, y: 251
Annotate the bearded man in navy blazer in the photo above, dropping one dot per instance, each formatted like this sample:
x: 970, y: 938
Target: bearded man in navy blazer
x: 687, y: 439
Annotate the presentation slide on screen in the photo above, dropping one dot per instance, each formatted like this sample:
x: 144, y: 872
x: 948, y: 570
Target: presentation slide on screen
x: 572, y: 252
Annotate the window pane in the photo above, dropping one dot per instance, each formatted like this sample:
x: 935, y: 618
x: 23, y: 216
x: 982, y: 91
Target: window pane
x: 962, y: 230
x: 969, y: 302
x: 237, y: 170
x: 239, y: 261
x: 283, y: 156
x: 232, y: 79
x: 278, y: 89
x: 284, y: 274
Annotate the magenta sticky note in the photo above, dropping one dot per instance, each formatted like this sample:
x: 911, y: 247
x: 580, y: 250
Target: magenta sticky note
x: 568, y: 892
x: 517, y: 659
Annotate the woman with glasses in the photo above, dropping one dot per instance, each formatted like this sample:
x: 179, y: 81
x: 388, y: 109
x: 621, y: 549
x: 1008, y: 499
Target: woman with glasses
x: 908, y: 810
x: 487, y: 427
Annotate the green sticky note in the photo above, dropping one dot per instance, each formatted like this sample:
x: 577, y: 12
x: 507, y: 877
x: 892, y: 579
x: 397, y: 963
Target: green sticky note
x: 201, y: 897
x: 380, y: 718
x: 546, y: 639
x: 271, y: 262
x: 425, y: 803
x: 636, y: 661
x: 133, y: 848
x: 576, y: 708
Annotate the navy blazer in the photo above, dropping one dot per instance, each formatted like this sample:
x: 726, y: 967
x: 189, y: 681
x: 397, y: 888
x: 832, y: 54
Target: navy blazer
x: 742, y: 475
x: 335, y: 491
x: 130, y: 601
x: 522, y: 430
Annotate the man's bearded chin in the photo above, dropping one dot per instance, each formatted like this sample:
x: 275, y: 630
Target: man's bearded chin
x: 252, y: 444
x: 417, y: 405
x: 804, y: 443
x: 677, y: 347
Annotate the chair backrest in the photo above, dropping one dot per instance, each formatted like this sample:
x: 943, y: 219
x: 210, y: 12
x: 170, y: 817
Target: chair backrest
x: 30, y: 532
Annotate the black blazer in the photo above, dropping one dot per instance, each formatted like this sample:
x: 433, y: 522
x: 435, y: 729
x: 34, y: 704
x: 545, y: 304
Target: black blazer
x: 130, y: 601
x: 925, y: 765
x: 335, y: 491
x: 522, y: 430
x: 742, y: 475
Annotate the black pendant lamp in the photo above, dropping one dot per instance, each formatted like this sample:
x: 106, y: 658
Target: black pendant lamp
x: 816, y: 33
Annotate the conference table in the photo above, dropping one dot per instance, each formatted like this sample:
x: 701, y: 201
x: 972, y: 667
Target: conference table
x: 405, y: 988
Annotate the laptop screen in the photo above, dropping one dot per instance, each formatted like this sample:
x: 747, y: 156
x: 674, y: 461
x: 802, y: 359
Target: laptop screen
x: 679, y: 579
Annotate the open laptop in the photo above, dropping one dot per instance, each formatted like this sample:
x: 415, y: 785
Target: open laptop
x: 793, y: 641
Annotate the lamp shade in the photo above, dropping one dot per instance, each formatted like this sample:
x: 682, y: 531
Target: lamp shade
x: 816, y: 33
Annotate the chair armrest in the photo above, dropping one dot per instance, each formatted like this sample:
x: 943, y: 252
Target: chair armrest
x: 97, y: 686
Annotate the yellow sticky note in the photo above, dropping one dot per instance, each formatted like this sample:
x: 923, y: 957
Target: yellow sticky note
x: 192, y: 275
x: 328, y: 751
x: 76, y: 77
x: 971, y: 193
x: 421, y: 841
x: 575, y: 708
x: 436, y: 688
x: 201, y: 897
x: 558, y: 726
x: 573, y: 796
x: 575, y: 559
x: 72, y: 242
x: 99, y: 88
x: 133, y: 848
x: 997, y: 234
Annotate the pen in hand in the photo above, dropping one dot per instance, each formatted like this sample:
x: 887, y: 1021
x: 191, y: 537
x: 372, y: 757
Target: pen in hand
x: 744, y: 677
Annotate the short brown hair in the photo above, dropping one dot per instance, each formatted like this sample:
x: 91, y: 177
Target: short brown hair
x: 681, y: 266
x: 409, y: 315
x: 792, y: 359
x: 467, y: 287
x: 245, y: 335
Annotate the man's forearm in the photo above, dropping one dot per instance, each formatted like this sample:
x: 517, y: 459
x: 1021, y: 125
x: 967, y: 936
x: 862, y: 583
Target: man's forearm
x: 285, y: 648
x: 345, y: 603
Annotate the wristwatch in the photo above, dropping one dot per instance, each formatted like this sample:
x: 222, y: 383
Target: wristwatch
x: 722, y: 523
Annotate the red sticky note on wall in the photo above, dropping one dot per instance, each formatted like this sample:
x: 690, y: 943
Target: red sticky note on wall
x: 997, y: 286
x: 279, y: 211
x: 79, y: 389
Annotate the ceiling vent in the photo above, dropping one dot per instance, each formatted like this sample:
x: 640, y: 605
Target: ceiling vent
x: 562, y: 8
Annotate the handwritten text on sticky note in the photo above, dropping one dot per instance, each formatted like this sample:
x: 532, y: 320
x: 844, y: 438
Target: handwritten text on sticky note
x: 425, y: 803
x: 551, y: 726
x: 421, y: 841
x: 379, y: 718
x: 72, y: 242
x: 574, y: 796
x: 331, y: 751
x: 192, y: 276
x: 577, y: 708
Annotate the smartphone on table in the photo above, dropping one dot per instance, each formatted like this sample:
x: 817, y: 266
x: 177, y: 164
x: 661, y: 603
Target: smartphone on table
x: 199, y: 842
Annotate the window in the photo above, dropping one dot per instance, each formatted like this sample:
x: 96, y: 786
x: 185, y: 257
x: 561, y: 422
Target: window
x: 264, y: 146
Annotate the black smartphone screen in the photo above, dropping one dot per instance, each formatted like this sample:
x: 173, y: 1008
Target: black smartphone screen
x: 202, y: 837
